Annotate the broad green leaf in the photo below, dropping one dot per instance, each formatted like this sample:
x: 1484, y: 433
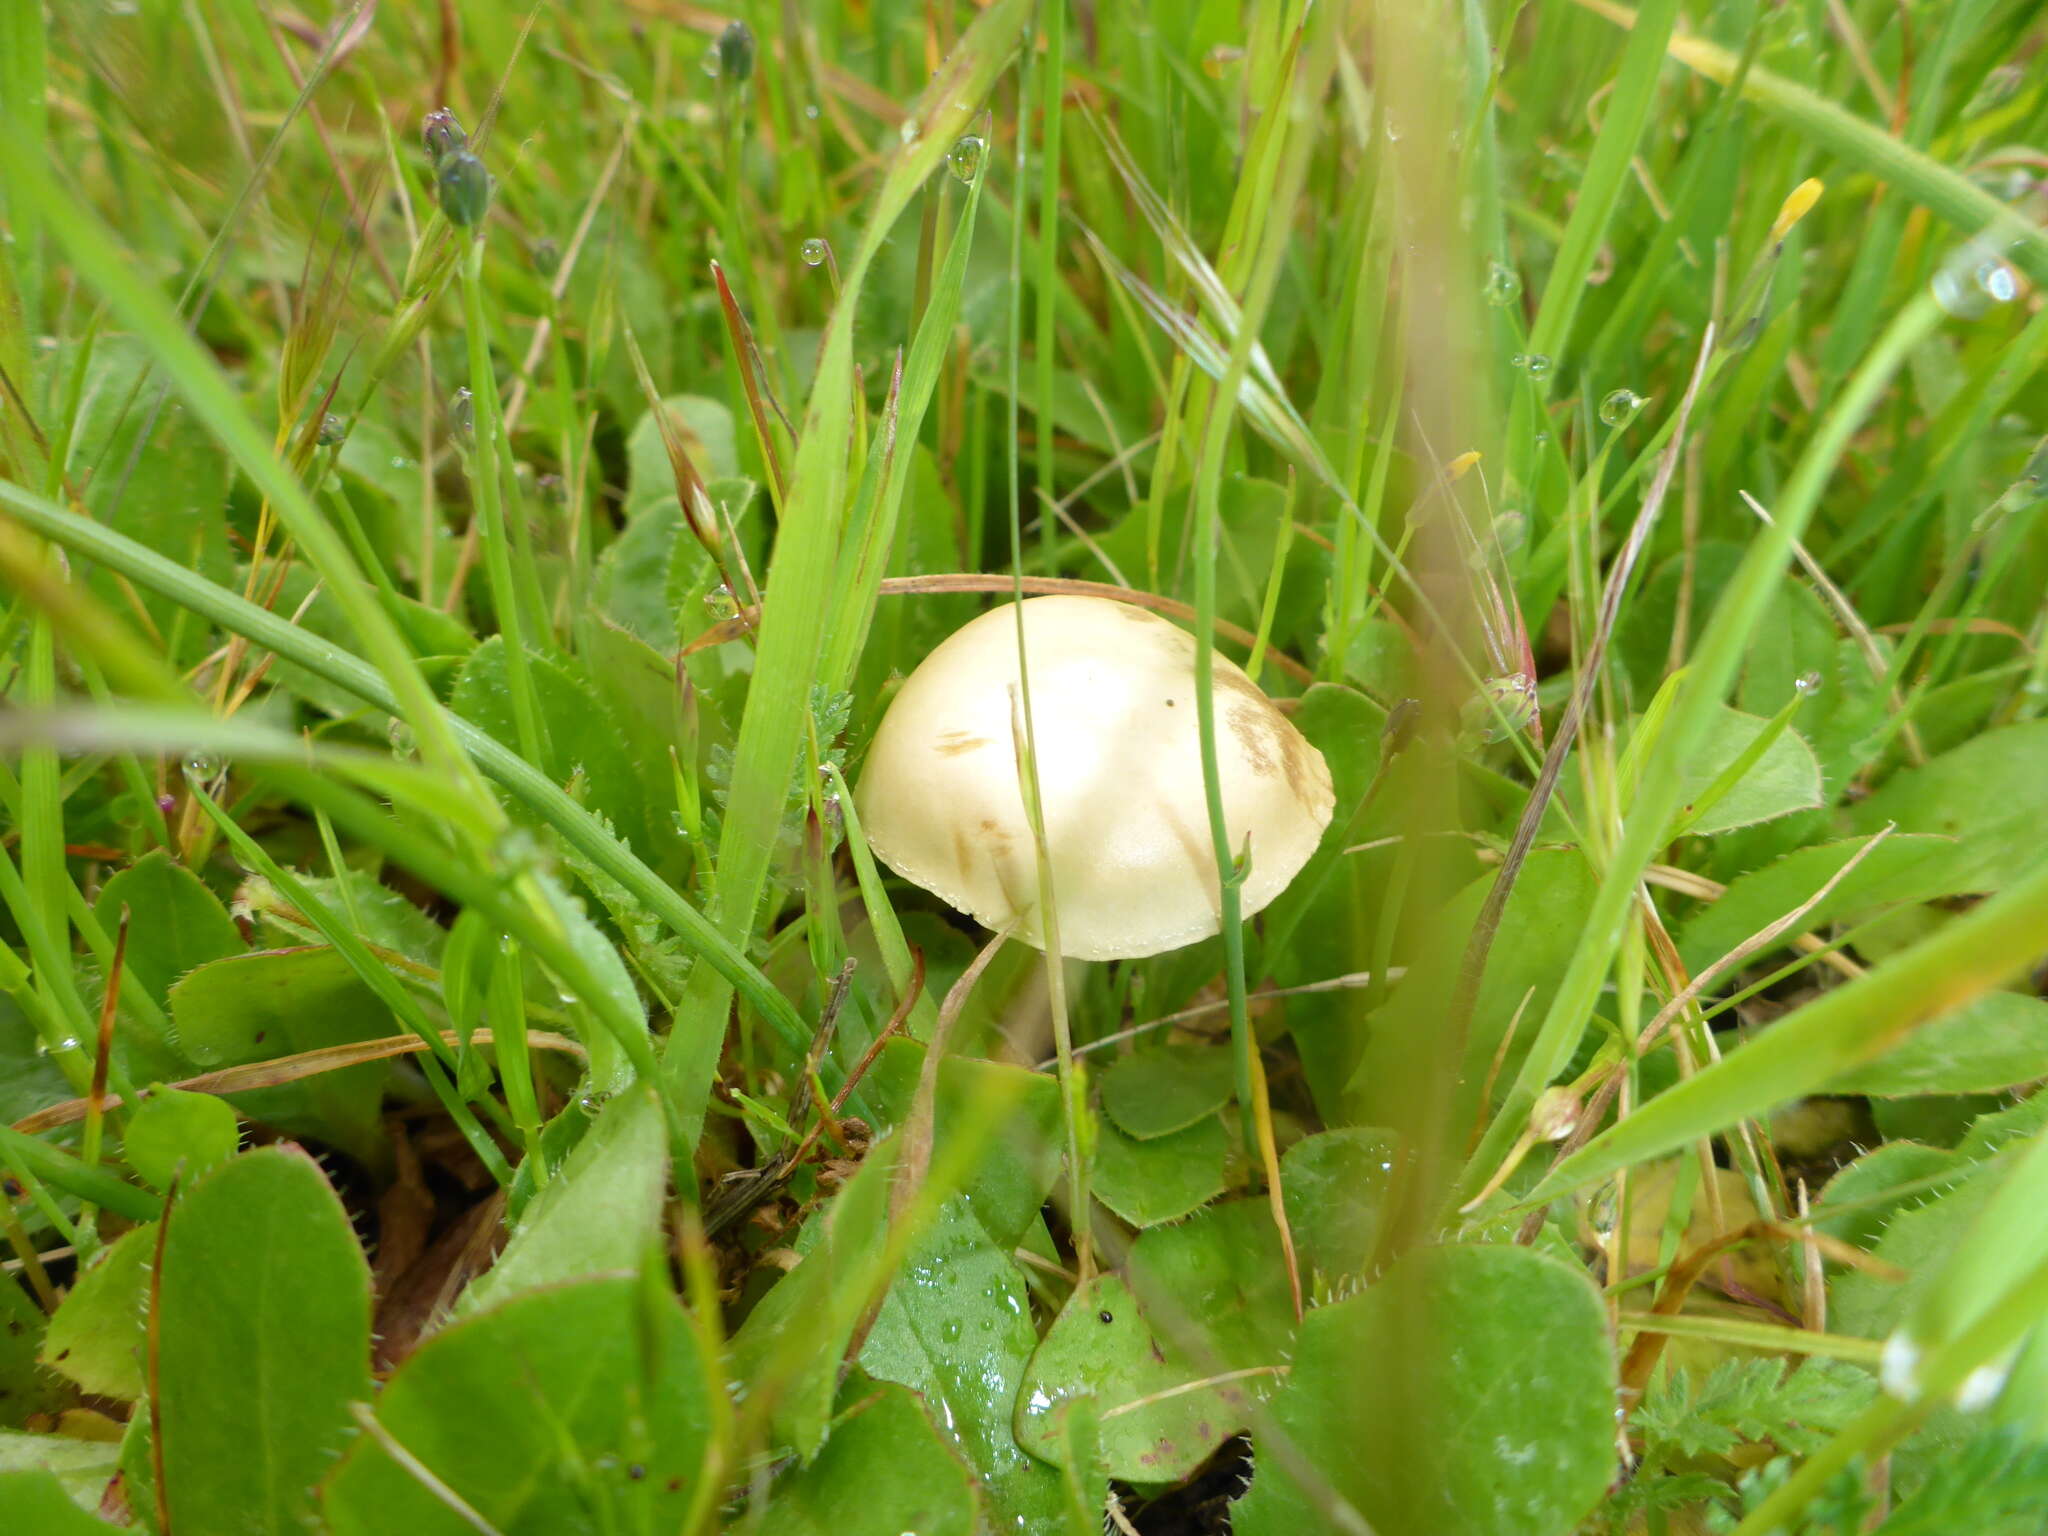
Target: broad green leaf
x: 25, y: 1387
x: 174, y: 922
x: 1469, y: 1392
x: 884, y: 1471
x: 39, y: 1503
x: 600, y: 1212
x: 1154, y: 1092
x: 1901, y: 868
x: 956, y: 1328
x: 1987, y: 1044
x: 1164, y: 1179
x: 1334, y: 1183
x: 580, y: 1409
x: 1786, y: 778
x: 97, y: 1334
x: 631, y: 584
x: 1173, y: 1357
x: 175, y: 1135
x: 79, y: 1469
x: 1989, y: 794
x: 272, y: 1003
x: 263, y: 1340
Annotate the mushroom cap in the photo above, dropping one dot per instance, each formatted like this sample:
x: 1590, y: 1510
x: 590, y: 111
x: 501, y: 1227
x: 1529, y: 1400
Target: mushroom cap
x: 1120, y: 779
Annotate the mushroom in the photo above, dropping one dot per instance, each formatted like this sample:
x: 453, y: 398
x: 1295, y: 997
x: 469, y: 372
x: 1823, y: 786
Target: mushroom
x: 1119, y: 773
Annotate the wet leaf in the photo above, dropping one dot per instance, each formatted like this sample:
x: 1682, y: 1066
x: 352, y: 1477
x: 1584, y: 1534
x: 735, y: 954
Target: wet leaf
x: 1173, y: 1357
x: 956, y: 1328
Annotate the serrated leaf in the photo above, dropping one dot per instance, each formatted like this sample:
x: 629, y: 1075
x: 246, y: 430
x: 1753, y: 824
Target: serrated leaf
x: 96, y: 1335
x: 580, y: 1409
x: 1786, y: 778
x: 1901, y: 868
x: 582, y: 742
x: 1988, y: 1044
x: 1469, y: 1392
x: 263, y: 1340
x: 1989, y: 794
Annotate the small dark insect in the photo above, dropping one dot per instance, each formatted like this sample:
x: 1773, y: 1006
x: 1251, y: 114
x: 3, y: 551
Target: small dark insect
x: 1106, y: 1316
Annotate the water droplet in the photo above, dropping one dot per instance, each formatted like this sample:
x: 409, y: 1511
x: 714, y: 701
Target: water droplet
x: 813, y: 252
x: 710, y: 61
x: 1997, y: 280
x: 1393, y: 131
x: 1503, y: 285
x: 719, y: 600
x: 950, y: 1330
x: 907, y: 132
x: 401, y: 736
x: 965, y: 157
x: 1620, y: 406
x: 1973, y: 279
x: 332, y: 430
x: 462, y: 412
x: 1534, y: 364
x: 811, y: 110
x: 202, y: 768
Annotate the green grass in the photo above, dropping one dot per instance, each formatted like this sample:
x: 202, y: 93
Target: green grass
x: 1622, y: 450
